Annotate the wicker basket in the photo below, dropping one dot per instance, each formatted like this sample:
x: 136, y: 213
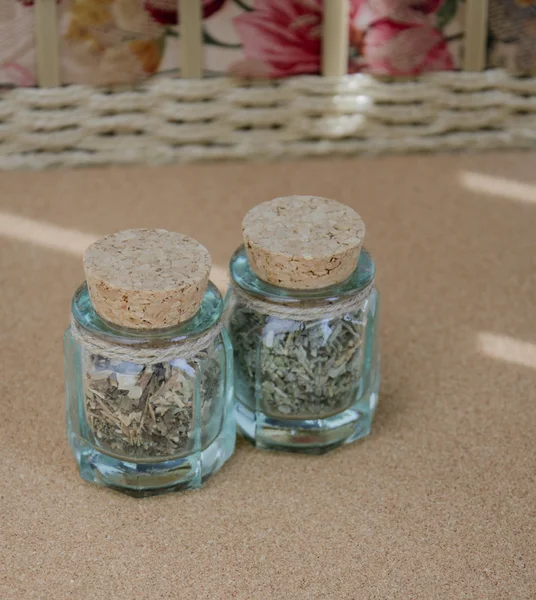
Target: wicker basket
x: 166, y: 120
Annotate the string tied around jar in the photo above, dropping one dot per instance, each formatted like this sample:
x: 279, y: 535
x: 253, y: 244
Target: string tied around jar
x: 309, y: 310
x: 187, y: 349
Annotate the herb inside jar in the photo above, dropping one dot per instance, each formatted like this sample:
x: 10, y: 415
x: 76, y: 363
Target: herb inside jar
x: 307, y: 369
x: 144, y: 411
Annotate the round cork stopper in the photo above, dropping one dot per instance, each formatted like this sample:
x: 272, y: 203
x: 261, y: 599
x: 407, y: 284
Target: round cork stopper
x: 303, y: 242
x: 146, y: 278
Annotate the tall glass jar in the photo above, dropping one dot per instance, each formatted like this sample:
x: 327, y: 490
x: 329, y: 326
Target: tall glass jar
x: 149, y: 408
x: 307, y: 365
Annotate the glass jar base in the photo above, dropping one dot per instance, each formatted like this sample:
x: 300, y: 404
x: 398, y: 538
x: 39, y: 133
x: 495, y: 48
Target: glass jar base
x: 141, y: 479
x: 309, y: 436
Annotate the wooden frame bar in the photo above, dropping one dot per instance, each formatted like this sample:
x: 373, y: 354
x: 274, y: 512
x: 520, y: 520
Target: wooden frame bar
x: 476, y: 33
x: 191, y: 38
x: 335, y: 36
x: 46, y: 43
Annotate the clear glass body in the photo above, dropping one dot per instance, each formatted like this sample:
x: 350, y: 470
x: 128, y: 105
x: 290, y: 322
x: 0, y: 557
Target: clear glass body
x: 304, y: 385
x: 148, y: 428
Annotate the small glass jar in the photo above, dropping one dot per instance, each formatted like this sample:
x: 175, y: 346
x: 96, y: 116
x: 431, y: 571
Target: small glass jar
x: 306, y: 361
x: 149, y: 410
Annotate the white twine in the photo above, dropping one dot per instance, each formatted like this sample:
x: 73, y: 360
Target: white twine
x: 186, y: 349
x: 322, y: 309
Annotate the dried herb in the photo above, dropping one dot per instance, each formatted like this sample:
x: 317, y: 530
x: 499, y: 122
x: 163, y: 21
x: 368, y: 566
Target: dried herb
x: 144, y: 411
x: 307, y: 368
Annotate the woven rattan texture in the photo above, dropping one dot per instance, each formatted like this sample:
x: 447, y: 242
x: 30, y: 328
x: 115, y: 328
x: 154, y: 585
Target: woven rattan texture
x: 184, y: 120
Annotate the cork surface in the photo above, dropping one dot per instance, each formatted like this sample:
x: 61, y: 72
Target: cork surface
x: 437, y: 504
x: 303, y: 242
x: 146, y: 278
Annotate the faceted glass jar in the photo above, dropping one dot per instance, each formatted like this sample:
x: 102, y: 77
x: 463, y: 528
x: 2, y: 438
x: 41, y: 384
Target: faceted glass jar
x: 149, y: 428
x: 310, y: 384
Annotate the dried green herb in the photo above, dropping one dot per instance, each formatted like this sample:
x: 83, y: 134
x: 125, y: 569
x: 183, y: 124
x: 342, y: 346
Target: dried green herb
x: 144, y: 411
x: 309, y: 368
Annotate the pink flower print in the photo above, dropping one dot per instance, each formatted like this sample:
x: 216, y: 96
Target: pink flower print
x: 393, y: 48
x: 17, y: 75
x: 401, y: 11
x: 395, y: 37
x: 165, y: 11
x: 282, y: 37
x: 392, y: 7
x: 31, y: 2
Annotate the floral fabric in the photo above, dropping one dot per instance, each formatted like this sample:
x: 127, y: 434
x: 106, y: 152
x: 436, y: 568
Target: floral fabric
x: 512, y: 35
x: 405, y: 37
x: 278, y: 38
x: 124, y: 41
x: 109, y: 41
x: 17, y: 53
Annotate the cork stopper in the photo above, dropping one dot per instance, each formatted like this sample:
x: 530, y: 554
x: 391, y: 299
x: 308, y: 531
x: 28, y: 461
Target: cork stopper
x: 303, y: 242
x: 146, y: 278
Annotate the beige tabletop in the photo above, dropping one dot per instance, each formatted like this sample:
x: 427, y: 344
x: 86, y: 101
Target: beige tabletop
x: 438, y: 503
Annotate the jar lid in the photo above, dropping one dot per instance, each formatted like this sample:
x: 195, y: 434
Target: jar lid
x: 303, y: 242
x: 146, y: 278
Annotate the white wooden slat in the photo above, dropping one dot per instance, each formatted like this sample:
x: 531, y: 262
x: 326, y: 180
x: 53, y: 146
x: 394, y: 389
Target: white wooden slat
x: 46, y: 43
x: 476, y: 32
x: 335, y: 38
x: 191, y: 38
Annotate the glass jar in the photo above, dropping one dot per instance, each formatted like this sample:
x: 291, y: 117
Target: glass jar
x: 306, y: 362
x: 153, y: 421
x: 149, y: 385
